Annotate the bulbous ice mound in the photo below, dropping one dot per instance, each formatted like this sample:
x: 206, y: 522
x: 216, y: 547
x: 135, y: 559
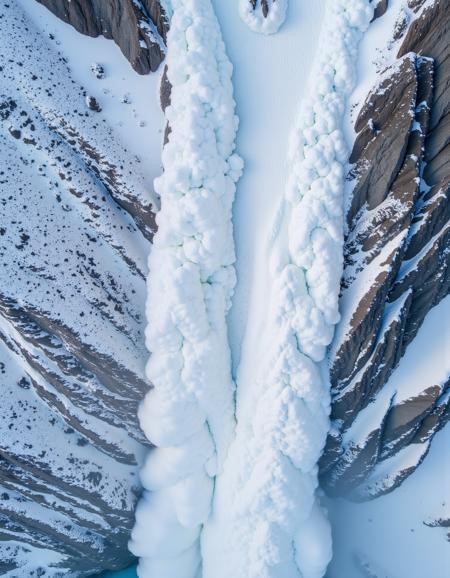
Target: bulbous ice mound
x: 263, y: 16
x: 189, y: 415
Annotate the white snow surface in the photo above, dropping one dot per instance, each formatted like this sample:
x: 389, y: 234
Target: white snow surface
x: 189, y: 414
x: 255, y: 19
x: 129, y: 101
x: 266, y: 521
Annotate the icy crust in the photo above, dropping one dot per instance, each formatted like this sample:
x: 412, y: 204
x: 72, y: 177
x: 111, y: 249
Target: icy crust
x: 189, y: 415
x: 263, y: 16
x: 266, y: 521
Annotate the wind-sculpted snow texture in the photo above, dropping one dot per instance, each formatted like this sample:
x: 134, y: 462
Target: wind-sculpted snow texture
x: 189, y: 415
x: 264, y: 16
x: 266, y: 520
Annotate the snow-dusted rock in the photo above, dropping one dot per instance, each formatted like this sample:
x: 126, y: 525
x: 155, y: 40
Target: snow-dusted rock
x: 396, y: 268
x: 139, y: 27
x: 263, y: 16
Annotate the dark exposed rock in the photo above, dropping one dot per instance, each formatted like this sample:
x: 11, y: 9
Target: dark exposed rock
x: 262, y: 5
x: 415, y: 4
x: 396, y: 264
x: 401, y: 25
x: 98, y: 70
x: 363, y: 386
x: 139, y: 27
x: 428, y: 35
x: 439, y: 523
x: 389, y: 196
x: 165, y: 90
x: 380, y: 9
x: 158, y: 16
x: 383, y: 127
x: 403, y: 421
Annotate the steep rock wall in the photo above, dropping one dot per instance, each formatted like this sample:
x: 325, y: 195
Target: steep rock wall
x: 397, y: 256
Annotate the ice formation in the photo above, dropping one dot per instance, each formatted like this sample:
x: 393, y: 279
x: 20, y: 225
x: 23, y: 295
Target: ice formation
x: 189, y: 414
x: 266, y: 520
x: 264, y: 16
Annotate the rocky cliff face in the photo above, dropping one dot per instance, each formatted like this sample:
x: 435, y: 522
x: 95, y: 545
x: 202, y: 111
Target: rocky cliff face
x: 139, y: 27
x: 396, y: 263
x: 75, y: 228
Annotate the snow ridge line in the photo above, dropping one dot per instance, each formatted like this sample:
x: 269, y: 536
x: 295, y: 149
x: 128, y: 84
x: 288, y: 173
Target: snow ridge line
x: 189, y: 414
x: 263, y: 16
x: 267, y: 521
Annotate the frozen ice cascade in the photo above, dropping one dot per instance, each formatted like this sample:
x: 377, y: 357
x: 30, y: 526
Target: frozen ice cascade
x: 267, y: 520
x: 224, y: 499
x: 263, y: 16
x: 189, y: 414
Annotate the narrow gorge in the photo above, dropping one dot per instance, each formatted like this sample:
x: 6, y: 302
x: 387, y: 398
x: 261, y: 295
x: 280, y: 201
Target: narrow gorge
x: 224, y: 310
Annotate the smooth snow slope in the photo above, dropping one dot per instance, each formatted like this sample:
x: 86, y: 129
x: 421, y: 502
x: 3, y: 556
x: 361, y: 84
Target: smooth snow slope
x: 265, y: 520
x: 269, y: 77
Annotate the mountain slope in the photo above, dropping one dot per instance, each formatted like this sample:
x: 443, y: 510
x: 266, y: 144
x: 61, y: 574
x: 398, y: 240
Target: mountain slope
x: 397, y: 256
x: 76, y: 221
x: 139, y: 27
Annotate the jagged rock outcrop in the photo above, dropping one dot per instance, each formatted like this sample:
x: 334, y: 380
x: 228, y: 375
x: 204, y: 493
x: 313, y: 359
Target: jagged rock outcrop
x: 138, y: 27
x: 76, y: 221
x: 397, y: 256
x: 440, y: 523
x: 380, y: 8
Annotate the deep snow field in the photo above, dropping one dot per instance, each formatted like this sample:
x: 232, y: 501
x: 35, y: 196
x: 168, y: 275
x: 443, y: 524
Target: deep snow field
x: 265, y: 476
x: 266, y: 111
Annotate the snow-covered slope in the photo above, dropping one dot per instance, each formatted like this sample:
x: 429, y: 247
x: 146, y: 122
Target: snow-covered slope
x: 414, y: 518
x: 396, y: 253
x: 390, y: 357
x: 404, y: 534
x: 76, y: 220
